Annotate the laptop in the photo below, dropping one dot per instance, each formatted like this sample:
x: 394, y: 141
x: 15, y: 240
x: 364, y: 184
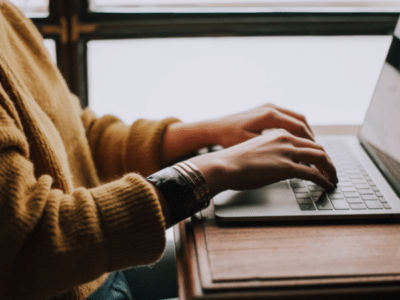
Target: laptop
x: 368, y: 168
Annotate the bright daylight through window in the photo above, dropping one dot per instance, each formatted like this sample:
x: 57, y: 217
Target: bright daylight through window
x: 33, y: 8
x: 200, y: 78
x: 243, y: 5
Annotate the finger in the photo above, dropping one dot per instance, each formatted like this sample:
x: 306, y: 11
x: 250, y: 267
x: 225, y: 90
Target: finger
x: 318, y: 158
x: 311, y: 174
x: 295, y: 115
x: 292, y: 125
x: 302, y: 142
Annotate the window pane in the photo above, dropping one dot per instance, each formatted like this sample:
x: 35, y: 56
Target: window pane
x: 33, y: 8
x: 242, y: 5
x: 51, y: 47
x: 328, y: 79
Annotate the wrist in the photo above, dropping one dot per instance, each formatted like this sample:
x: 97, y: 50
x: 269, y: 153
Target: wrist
x: 214, y: 171
x: 210, y: 130
x: 182, y: 191
x: 183, y: 139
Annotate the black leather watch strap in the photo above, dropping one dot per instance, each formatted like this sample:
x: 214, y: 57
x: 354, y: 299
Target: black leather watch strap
x: 178, y: 193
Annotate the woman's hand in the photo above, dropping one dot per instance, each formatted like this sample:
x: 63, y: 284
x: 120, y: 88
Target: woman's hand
x: 184, y: 138
x: 237, y: 128
x: 266, y: 159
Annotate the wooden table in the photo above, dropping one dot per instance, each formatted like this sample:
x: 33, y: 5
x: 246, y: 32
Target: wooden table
x: 288, y: 261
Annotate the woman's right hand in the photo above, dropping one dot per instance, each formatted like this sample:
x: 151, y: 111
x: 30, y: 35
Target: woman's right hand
x: 274, y: 156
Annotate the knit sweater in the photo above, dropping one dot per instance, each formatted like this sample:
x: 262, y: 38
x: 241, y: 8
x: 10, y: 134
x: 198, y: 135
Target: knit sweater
x: 74, y: 205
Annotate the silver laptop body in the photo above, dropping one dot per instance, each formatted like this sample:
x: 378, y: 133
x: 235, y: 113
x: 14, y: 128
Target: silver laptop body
x: 368, y: 168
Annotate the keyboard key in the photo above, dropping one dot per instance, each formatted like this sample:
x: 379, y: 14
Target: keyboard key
x: 354, y: 171
x: 342, y: 184
x: 343, y: 179
x: 379, y: 194
x: 297, y: 183
x: 350, y: 194
x: 302, y: 195
x: 373, y: 205
x: 368, y: 178
x: 358, y: 181
x: 304, y: 200
x: 315, y: 188
x: 361, y: 186
x: 323, y: 203
x: 366, y: 192
x: 300, y: 190
x: 340, y: 204
x: 347, y: 161
x: 354, y: 200
x: 348, y: 189
x: 317, y: 194
x: 358, y: 206
x: 348, y: 165
x: 342, y: 155
x: 370, y: 182
x: 336, y: 196
x: 374, y: 188
x: 307, y: 207
x: 335, y: 191
x: 386, y: 205
x: 355, y: 176
x: 382, y: 200
x: 369, y: 197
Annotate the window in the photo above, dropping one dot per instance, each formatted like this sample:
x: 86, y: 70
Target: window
x: 75, y: 24
x: 199, y: 78
x: 33, y: 8
x: 51, y: 47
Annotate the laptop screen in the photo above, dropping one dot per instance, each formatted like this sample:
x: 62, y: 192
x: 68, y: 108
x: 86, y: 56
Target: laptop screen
x: 380, y: 132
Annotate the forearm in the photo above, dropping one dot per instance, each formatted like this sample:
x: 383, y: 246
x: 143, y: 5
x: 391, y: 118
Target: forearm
x: 111, y: 227
x: 118, y: 149
x: 182, y: 139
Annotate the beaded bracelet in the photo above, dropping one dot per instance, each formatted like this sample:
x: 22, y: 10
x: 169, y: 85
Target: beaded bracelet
x: 184, y: 188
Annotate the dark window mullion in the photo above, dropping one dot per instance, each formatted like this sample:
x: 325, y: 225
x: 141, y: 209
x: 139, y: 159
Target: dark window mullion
x: 178, y: 25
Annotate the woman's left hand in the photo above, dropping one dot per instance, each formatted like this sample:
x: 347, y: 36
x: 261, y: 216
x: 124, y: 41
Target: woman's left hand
x: 183, y: 138
x: 237, y: 128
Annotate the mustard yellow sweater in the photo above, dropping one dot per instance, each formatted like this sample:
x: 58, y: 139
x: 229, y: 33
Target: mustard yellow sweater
x: 62, y: 229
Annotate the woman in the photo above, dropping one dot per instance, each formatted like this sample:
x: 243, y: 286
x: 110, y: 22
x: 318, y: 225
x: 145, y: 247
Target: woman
x: 75, y: 204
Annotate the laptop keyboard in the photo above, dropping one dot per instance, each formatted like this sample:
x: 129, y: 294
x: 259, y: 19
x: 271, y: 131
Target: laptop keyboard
x: 355, y: 190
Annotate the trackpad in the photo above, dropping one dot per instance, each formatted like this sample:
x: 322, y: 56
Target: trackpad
x: 272, y: 200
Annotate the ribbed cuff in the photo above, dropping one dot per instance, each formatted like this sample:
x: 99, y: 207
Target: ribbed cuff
x: 133, y: 217
x: 144, y: 145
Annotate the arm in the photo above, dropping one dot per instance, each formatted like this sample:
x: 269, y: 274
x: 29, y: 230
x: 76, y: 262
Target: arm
x: 118, y: 149
x: 256, y: 154
x: 272, y: 157
x: 52, y: 240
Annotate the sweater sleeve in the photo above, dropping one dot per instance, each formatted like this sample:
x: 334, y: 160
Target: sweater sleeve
x: 51, y: 241
x: 118, y: 148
